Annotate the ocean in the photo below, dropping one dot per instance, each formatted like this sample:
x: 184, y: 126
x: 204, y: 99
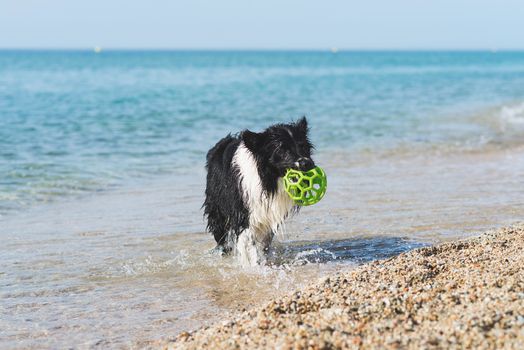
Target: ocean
x: 102, y: 173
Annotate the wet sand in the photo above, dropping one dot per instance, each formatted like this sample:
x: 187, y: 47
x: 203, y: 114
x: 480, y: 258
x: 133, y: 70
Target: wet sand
x: 463, y: 294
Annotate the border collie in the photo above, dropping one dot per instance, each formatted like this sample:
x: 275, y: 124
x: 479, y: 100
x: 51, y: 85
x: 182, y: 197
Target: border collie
x: 245, y: 201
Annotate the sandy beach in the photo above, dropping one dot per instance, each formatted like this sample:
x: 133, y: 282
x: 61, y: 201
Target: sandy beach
x: 463, y: 294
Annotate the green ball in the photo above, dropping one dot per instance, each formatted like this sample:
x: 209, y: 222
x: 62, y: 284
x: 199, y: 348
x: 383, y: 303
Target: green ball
x: 305, y: 187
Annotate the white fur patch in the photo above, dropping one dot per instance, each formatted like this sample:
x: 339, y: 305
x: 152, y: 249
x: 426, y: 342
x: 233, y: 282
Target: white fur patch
x: 266, y: 212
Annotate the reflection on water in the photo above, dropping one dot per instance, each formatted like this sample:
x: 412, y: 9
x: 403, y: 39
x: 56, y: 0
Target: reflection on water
x: 128, y: 267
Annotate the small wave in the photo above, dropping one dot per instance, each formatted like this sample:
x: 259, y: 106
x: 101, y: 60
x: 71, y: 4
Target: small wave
x: 513, y: 114
x: 352, y: 250
x: 317, y: 255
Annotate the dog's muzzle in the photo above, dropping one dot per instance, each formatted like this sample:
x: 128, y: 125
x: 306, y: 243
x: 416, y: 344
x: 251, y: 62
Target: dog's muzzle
x: 304, y: 164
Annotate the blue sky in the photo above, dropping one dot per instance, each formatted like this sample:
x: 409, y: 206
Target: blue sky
x: 268, y: 24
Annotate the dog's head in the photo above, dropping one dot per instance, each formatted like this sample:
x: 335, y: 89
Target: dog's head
x: 282, y: 146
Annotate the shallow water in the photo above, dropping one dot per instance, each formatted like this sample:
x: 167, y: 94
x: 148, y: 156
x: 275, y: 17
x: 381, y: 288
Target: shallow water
x: 132, y: 266
x: 103, y: 241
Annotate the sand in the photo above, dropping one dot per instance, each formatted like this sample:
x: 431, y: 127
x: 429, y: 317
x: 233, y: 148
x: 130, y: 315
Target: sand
x: 464, y: 294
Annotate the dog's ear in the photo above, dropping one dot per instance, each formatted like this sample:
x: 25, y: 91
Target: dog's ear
x: 302, y: 125
x: 252, y: 140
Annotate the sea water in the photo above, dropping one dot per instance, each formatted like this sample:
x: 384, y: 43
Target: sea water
x: 102, y: 156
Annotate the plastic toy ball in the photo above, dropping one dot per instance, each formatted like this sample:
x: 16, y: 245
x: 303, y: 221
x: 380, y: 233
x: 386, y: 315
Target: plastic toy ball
x: 305, y: 187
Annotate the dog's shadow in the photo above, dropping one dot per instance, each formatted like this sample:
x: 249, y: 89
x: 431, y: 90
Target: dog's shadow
x: 352, y: 250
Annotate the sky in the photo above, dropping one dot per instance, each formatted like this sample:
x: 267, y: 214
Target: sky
x: 263, y: 24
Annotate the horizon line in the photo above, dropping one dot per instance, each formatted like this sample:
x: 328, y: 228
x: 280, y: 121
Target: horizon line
x: 262, y: 49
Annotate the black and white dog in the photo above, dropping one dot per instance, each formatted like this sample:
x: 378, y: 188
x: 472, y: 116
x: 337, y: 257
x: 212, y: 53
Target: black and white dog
x: 245, y: 200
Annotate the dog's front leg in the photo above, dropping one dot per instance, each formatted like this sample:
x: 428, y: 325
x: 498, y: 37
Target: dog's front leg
x: 250, y: 249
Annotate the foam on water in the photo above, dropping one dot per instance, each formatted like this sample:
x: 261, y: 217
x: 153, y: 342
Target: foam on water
x: 513, y: 114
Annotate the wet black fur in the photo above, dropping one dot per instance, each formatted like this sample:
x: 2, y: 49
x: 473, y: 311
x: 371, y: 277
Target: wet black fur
x: 274, y: 150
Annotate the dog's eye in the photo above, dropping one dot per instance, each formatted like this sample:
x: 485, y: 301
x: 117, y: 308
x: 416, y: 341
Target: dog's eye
x: 301, y: 145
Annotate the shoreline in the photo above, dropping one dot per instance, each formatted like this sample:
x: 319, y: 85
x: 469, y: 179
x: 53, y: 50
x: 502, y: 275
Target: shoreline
x: 467, y: 293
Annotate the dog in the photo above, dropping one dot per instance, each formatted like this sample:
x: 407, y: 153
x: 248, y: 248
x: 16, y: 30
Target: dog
x: 246, y: 203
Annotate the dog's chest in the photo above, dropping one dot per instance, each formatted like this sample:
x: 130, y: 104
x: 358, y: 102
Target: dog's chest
x: 266, y: 212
